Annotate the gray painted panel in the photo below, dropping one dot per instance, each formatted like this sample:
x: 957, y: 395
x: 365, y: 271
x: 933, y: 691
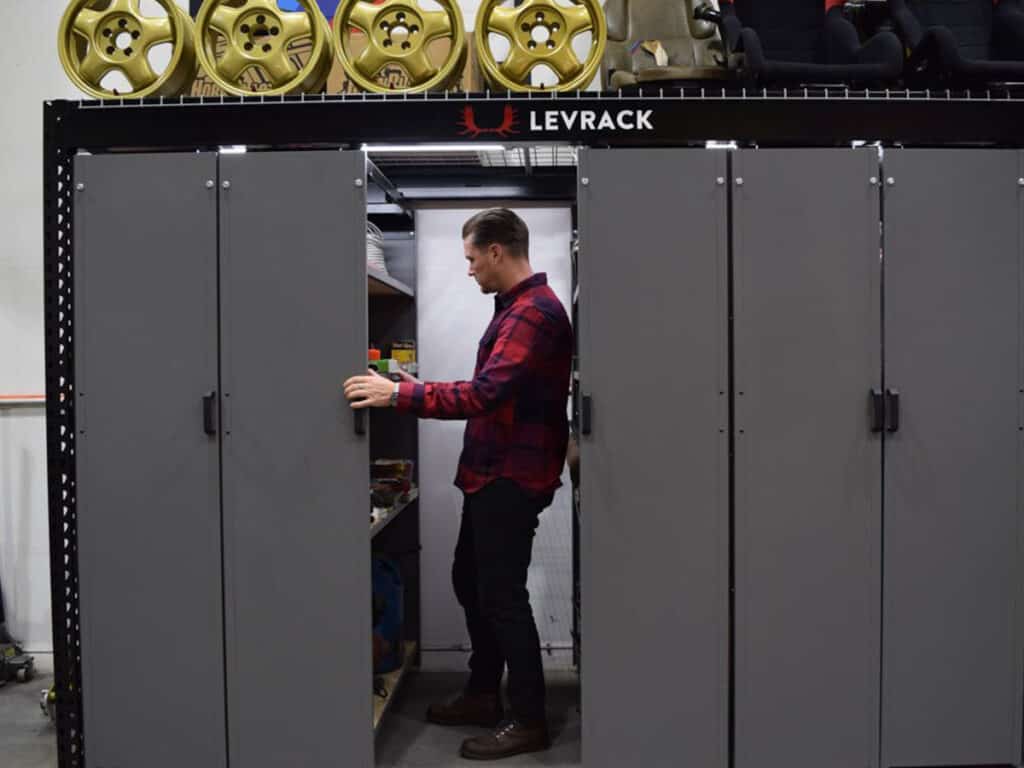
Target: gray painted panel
x: 149, y: 528
x: 808, y: 469
x: 297, y: 544
x: 654, y: 540
x: 952, y: 628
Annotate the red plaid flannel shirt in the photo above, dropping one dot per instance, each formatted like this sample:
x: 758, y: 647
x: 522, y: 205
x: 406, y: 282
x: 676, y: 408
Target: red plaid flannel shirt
x: 517, y: 427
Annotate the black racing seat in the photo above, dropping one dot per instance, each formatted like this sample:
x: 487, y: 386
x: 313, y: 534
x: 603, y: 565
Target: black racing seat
x: 969, y: 42
x: 806, y: 41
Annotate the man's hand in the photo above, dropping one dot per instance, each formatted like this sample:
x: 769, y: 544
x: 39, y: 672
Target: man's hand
x: 373, y: 390
x: 370, y: 391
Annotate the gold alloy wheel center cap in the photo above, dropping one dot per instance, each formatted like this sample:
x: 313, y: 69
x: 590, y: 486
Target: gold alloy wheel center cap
x: 116, y: 36
x: 258, y: 33
x: 546, y: 18
x: 400, y: 31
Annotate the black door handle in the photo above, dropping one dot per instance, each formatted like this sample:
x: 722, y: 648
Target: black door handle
x: 210, y: 413
x: 360, y: 421
x: 585, y: 414
x: 892, y: 410
x: 877, y: 411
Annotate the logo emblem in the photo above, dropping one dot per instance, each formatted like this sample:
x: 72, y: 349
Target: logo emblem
x: 509, y: 124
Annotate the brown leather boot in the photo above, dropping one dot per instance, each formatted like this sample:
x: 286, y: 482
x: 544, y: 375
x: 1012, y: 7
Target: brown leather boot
x: 484, y: 710
x: 508, y: 739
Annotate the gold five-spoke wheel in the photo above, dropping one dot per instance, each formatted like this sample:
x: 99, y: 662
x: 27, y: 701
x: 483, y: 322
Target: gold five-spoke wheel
x: 400, y: 33
x: 540, y: 32
x: 97, y: 37
x: 235, y: 36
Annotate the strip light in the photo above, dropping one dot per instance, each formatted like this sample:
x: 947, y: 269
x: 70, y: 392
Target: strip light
x: 429, y: 148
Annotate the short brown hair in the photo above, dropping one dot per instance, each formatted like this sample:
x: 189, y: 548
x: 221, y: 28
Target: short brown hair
x: 498, y: 225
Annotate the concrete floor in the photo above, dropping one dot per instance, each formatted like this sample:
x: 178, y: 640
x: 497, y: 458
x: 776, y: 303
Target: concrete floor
x: 405, y: 740
x: 27, y: 739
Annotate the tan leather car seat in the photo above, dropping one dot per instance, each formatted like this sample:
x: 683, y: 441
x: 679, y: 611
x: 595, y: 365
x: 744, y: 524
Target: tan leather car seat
x: 694, y: 47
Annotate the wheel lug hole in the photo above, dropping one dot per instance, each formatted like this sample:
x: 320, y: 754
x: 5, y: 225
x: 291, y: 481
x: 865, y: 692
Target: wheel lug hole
x: 275, y: 31
x: 385, y: 25
x: 413, y: 29
x: 387, y: 43
x: 400, y: 17
x: 260, y: 19
x: 266, y: 48
x: 111, y: 49
x: 533, y: 44
x: 540, y: 17
x: 406, y: 46
x: 555, y: 27
x: 107, y: 33
x: 527, y: 28
x: 122, y: 23
x: 551, y: 44
x: 245, y: 28
x: 248, y: 46
x: 135, y: 35
x: 128, y: 51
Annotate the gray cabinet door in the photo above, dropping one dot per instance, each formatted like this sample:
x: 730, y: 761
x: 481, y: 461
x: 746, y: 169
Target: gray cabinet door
x: 808, y: 468
x: 952, y: 640
x: 296, y: 474
x: 149, y: 527
x: 655, y: 468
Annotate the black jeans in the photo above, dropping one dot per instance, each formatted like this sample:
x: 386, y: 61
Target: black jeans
x: 491, y: 560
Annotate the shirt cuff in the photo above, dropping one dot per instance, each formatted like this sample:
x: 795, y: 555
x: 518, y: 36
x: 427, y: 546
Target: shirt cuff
x: 410, y: 396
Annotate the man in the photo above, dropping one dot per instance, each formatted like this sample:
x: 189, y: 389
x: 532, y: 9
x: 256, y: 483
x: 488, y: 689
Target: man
x: 512, y: 458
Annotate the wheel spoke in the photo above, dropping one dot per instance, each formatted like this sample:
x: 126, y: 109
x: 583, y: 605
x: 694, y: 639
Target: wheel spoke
x: 86, y: 22
x: 566, y: 64
x: 436, y: 24
x: 138, y: 72
x: 371, y: 61
x: 224, y: 18
x: 363, y: 15
x: 518, y: 64
x: 280, y: 69
x: 295, y: 26
x: 92, y: 68
x: 232, y: 64
x: 419, y: 67
x: 577, y: 19
x: 125, y: 6
x: 156, y: 31
x: 503, y: 21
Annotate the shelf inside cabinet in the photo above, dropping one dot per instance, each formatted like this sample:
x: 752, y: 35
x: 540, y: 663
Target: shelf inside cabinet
x: 380, y: 284
x: 392, y: 681
x: 387, y: 517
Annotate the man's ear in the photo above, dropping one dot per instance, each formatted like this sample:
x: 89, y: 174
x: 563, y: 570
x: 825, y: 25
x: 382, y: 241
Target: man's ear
x: 497, y: 252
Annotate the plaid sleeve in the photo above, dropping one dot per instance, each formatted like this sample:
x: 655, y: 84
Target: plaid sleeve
x: 518, y: 338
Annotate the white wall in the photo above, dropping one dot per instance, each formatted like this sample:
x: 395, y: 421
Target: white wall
x: 452, y: 315
x: 32, y: 74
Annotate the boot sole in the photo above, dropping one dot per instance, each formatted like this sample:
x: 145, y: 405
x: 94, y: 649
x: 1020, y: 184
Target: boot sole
x: 487, y: 758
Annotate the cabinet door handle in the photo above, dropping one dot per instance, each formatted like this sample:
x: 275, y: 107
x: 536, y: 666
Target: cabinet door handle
x: 892, y: 410
x: 210, y: 413
x: 877, y: 411
x: 586, y: 409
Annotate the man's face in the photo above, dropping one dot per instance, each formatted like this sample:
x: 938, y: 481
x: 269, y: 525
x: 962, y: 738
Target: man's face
x: 483, y: 265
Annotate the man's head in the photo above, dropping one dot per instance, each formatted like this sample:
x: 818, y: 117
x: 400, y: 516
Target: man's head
x: 497, y: 245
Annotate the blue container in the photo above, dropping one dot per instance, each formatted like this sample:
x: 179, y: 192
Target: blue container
x: 388, y: 616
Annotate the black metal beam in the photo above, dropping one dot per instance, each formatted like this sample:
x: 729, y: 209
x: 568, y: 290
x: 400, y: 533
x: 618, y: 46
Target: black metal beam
x: 792, y: 117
